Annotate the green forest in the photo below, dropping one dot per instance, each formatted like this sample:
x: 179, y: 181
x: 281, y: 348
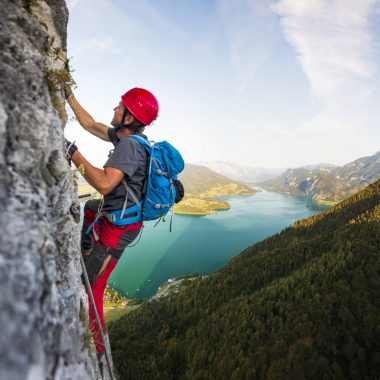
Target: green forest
x: 302, y: 304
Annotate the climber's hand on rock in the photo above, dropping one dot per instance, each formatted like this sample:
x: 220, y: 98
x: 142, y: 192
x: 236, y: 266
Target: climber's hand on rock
x: 71, y: 148
x: 67, y: 91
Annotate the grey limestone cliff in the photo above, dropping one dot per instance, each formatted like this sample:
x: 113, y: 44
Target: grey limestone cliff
x: 44, y: 332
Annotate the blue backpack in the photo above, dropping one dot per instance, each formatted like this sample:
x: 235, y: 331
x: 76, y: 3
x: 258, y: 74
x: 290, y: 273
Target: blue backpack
x: 165, y: 163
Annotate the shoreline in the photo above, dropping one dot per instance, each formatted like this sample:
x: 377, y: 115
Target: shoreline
x: 326, y: 203
x: 200, y: 213
x: 200, y: 206
x: 319, y: 201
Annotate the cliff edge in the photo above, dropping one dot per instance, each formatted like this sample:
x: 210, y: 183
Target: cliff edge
x: 43, y: 314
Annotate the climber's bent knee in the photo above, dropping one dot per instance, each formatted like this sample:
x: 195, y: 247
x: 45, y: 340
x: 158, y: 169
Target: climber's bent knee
x: 94, y: 261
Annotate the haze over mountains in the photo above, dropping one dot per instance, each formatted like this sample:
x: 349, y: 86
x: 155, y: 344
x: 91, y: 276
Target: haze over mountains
x: 240, y: 172
x: 303, y: 304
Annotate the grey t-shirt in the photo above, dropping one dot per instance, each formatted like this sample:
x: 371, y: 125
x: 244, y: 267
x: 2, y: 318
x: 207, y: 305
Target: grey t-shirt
x: 131, y: 158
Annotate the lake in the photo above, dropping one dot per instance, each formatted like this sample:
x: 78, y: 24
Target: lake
x: 203, y: 244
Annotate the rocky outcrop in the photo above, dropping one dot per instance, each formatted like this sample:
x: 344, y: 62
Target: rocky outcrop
x: 42, y: 302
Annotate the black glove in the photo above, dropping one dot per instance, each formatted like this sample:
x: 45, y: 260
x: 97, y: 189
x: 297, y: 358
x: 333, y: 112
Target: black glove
x: 67, y: 91
x: 71, y: 148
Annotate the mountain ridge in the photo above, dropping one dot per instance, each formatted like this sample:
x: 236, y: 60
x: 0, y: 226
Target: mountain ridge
x: 328, y: 183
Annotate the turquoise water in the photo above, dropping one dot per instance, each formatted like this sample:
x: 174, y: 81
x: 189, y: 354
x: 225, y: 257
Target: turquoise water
x: 204, y: 243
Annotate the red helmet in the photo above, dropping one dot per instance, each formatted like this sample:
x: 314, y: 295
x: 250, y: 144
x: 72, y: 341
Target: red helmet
x: 142, y: 104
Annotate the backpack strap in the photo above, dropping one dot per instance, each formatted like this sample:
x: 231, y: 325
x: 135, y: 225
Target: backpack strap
x: 148, y: 147
x: 116, y: 217
x: 133, y: 195
x: 132, y: 215
x: 144, y: 142
x: 124, y: 182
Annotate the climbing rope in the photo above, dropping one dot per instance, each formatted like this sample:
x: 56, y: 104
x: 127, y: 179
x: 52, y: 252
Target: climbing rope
x: 88, y: 286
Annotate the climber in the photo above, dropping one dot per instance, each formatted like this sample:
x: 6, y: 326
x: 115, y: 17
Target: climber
x: 103, y: 243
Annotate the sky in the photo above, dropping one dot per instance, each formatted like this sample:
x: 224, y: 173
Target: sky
x: 260, y: 83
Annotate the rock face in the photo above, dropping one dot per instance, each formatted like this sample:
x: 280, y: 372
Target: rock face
x: 42, y: 302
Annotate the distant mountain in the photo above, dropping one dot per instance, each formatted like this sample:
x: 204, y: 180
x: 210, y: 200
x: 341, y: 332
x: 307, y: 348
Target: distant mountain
x: 202, y: 182
x: 319, y: 166
x: 240, y: 172
x: 328, y: 183
x: 303, y: 304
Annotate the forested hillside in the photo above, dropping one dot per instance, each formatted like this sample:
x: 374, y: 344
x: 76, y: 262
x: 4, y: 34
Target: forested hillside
x: 303, y: 304
x: 202, y: 186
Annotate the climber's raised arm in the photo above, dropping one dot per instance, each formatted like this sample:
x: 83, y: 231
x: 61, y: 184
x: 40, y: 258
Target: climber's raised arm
x: 86, y: 120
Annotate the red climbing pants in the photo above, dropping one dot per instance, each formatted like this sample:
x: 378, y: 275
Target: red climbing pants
x: 98, y: 293
x: 112, y: 241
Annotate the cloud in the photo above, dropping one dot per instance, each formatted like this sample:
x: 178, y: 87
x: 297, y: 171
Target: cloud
x: 334, y: 46
x: 98, y: 46
x: 250, y: 28
x: 105, y: 44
